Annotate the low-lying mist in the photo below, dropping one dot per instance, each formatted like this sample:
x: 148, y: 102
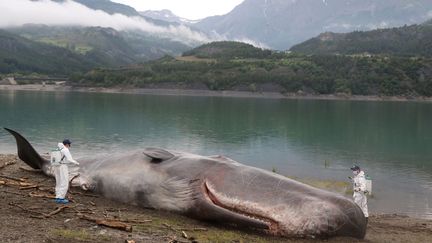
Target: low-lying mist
x: 69, y: 13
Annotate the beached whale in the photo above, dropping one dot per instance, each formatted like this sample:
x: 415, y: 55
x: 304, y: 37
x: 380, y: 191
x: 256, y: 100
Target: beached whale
x: 213, y: 188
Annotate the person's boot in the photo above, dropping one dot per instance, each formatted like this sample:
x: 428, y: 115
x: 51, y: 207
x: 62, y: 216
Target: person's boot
x: 63, y: 201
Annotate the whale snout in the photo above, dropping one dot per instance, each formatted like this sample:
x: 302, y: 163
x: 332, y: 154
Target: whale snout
x: 313, y: 213
x: 283, y: 206
x: 322, y: 218
x: 349, y: 219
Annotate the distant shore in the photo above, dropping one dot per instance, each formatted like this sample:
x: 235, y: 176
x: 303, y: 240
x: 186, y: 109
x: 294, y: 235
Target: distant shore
x: 209, y: 93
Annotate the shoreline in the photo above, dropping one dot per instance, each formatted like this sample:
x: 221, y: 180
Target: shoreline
x: 317, y: 183
x: 209, y: 93
x: 27, y: 199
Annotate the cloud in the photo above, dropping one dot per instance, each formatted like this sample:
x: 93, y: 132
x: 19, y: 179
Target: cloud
x: 218, y: 37
x: 252, y: 42
x: 69, y: 13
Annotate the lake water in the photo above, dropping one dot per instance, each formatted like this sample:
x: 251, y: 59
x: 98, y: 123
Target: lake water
x: 392, y: 141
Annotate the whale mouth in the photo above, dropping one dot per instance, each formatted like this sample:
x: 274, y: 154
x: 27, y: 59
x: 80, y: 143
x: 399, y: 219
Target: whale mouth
x: 240, y: 210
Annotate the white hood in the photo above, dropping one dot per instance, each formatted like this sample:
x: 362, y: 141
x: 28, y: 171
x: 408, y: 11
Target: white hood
x: 60, y: 146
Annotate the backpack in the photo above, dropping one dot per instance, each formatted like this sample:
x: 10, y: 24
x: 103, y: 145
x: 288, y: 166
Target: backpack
x: 56, y: 156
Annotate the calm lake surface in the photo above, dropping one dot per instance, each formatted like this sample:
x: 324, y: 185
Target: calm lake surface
x: 392, y: 141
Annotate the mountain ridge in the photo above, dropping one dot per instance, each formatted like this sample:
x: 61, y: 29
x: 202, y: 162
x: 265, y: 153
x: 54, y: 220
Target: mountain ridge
x: 410, y: 41
x: 283, y: 23
x: 106, y: 6
x: 166, y: 15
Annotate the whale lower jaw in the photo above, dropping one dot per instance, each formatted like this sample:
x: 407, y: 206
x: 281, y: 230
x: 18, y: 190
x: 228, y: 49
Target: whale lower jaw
x: 305, y: 228
x: 237, y: 209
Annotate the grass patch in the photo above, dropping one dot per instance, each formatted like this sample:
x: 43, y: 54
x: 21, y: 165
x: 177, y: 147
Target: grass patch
x: 64, y: 43
x: 78, y: 235
x: 72, y: 234
x: 224, y: 235
x: 342, y: 187
x: 83, y: 49
x: 164, y: 223
x: 194, y: 59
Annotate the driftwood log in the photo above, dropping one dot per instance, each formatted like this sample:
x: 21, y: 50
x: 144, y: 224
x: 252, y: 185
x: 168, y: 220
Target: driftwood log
x: 7, y: 164
x: 40, y: 214
x: 116, y: 224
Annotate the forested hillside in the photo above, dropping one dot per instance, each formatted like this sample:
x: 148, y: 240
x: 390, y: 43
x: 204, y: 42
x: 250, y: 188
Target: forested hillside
x: 228, y: 50
x: 18, y: 54
x: 125, y: 37
x: 317, y: 74
x: 414, y: 40
x: 62, y: 50
x: 105, y: 46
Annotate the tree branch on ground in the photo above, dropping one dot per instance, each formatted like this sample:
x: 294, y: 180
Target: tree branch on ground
x: 116, y: 224
x: 7, y: 164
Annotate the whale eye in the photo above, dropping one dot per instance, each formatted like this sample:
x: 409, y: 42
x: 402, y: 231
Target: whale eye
x: 157, y: 155
x: 156, y: 161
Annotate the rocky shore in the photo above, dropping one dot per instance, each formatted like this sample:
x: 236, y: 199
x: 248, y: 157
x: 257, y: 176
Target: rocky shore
x: 201, y: 92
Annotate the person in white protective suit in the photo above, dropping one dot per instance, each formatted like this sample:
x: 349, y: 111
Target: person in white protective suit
x: 359, y: 188
x: 61, y: 171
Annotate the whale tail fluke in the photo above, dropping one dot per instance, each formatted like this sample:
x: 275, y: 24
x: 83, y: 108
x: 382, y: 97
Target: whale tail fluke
x: 26, y: 152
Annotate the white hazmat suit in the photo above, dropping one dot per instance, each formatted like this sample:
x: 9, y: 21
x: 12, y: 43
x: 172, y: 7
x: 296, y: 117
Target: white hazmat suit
x: 359, y: 188
x: 61, y: 171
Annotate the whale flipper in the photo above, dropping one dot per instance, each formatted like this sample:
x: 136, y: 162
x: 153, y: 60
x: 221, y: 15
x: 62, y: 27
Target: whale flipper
x: 158, y: 155
x: 26, y: 152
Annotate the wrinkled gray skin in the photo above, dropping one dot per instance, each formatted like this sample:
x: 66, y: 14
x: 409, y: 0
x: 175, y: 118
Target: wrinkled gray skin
x: 218, y: 189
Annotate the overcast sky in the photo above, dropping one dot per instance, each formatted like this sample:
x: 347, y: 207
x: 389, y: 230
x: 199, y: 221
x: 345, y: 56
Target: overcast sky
x: 189, y: 9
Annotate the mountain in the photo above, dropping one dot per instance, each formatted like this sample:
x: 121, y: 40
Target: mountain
x: 101, y: 45
x: 118, y: 8
x: 414, y: 40
x: 18, y: 54
x: 38, y: 48
x: 165, y: 15
x: 104, y: 46
x: 280, y: 24
x: 107, y: 6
